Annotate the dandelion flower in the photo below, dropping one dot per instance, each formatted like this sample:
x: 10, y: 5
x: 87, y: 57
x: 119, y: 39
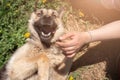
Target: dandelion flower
x: 16, y: 11
x: 27, y: 35
x: 44, y: 1
x: 71, y: 78
x: 8, y: 4
x: 81, y: 14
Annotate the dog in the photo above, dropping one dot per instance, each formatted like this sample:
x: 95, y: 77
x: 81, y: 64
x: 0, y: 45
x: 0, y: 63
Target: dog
x: 39, y: 58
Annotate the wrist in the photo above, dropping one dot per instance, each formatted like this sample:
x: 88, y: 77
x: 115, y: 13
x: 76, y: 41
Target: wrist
x: 88, y: 37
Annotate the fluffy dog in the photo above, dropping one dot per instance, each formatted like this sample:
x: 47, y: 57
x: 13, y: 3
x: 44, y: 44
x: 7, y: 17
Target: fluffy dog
x: 39, y: 58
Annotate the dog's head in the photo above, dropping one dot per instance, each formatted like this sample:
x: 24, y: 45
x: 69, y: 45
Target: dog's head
x: 46, y: 24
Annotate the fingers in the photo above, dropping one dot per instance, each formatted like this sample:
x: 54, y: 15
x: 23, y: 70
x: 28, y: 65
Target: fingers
x: 70, y: 52
x: 69, y: 48
x: 71, y: 56
x: 65, y: 36
x: 67, y: 44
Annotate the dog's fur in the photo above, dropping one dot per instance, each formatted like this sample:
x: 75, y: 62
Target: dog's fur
x: 39, y: 58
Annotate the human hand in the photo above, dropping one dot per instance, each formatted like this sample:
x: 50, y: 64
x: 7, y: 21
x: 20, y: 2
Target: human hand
x: 73, y: 42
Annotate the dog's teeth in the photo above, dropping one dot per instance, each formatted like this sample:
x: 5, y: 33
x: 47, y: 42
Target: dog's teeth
x: 46, y: 35
x: 42, y: 33
x: 49, y: 33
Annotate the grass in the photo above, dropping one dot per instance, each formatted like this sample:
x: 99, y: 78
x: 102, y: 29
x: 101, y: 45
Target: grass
x: 12, y: 27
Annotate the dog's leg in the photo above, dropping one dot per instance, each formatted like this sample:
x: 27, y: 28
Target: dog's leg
x: 43, y: 67
x: 61, y: 71
x: 65, y: 66
x: 21, y: 70
x: 20, y: 66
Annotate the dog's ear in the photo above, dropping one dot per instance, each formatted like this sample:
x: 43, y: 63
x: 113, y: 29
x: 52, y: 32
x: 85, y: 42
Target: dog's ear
x: 35, y: 7
x: 61, y: 12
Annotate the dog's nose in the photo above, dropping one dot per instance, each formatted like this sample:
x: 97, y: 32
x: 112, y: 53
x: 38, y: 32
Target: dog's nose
x: 46, y: 17
x: 47, y: 20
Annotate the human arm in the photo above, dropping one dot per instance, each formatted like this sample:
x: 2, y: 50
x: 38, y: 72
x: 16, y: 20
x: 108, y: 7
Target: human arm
x: 78, y: 39
x: 108, y: 31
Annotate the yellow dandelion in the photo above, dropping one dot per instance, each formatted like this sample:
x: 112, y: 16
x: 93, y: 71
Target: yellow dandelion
x: 16, y: 11
x: 71, y: 78
x: 27, y: 35
x: 81, y: 14
x: 8, y: 4
x: 44, y: 1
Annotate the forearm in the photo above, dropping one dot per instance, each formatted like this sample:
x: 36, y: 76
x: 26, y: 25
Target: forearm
x: 109, y: 31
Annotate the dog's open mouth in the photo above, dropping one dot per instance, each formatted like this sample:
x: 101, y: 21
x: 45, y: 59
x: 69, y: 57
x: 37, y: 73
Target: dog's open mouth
x: 46, y: 28
x: 46, y: 36
x: 45, y: 32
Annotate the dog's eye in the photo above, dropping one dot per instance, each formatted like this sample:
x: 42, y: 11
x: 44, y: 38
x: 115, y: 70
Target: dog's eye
x: 38, y: 14
x: 55, y: 14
